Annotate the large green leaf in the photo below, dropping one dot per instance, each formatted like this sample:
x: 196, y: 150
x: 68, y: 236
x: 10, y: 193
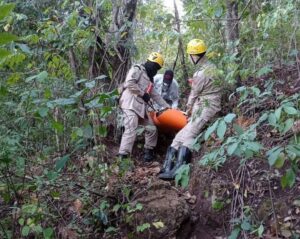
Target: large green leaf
x: 6, y: 37
x: 210, y: 130
x: 228, y: 118
x: 235, y: 233
x: 272, y: 119
x: 290, y: 110
x: 62, y: 162
x: 6, y: 9
x: 273, y: 155
x: 4, y: 53
x: 288, y: 179
x: 278, y: 113
x: 288, y: 124
x: 231, y: 148
x: 221, y: 129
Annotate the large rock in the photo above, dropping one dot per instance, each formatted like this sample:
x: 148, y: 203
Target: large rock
x: 163, y: 209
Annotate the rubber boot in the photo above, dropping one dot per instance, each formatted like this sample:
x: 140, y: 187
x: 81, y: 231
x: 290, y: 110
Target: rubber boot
x: 184, y: 157
x: 169, y: 161
x: 123, y: 156
x: 149, y: 155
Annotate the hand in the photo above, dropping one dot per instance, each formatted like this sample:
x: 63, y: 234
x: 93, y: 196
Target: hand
x: 189, y: 111
x: 146, y: 97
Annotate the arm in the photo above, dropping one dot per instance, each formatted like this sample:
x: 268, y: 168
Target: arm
x: 131, y: 81
x: 197, y: 87
x: 158, y: 99
x: 175, y: 95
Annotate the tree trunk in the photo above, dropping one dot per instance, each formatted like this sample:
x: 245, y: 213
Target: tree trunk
x: 121, y: 33
x: 232, y: 33
x: 181, y: 52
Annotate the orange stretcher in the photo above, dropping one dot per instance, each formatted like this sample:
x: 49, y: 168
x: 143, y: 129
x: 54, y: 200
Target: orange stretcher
x: 170, y: 120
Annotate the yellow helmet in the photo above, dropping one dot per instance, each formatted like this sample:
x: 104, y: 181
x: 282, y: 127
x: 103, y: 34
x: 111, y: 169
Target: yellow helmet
x: 196, y: 46
x: 156, y: 57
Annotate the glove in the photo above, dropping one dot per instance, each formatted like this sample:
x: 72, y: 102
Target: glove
x: 146, y: 97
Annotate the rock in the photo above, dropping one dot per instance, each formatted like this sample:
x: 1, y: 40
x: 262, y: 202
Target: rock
x: 163, y: 209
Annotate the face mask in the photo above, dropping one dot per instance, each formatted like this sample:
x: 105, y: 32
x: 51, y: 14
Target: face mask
x: 194, y: 59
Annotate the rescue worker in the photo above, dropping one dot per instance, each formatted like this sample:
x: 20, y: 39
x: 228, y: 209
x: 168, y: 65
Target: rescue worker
x: 134, y: 102
x: 203, y: 103
x: 167, y: 87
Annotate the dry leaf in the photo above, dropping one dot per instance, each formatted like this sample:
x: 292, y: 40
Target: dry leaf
x: 77, y: 204
x: 158, y: 224
x: 286, y: 233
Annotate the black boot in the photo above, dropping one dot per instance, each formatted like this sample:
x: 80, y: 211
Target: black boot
x: 169, y: 161
x: 184, y: 157
x: 123, y: 156
x: 149, y: 155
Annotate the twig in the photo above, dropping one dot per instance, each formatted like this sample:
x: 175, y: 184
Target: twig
x: 272, y: 203
x: 93, y: 192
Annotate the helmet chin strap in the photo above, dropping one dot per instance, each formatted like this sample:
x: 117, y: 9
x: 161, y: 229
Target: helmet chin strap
x: 196, y: 62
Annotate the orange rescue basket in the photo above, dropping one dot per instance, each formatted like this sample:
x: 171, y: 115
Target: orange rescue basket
x: 170, y: 120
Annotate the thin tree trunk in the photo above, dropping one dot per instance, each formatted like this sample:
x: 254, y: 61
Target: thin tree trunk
x: 232, y: 33
x: 180, y: 44
x: 124, y: 12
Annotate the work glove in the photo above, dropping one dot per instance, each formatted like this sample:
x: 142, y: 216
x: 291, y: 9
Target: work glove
x: 146, y: 97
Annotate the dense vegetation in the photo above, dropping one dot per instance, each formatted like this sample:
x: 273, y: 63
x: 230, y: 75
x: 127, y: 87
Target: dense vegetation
x: 60, y: 64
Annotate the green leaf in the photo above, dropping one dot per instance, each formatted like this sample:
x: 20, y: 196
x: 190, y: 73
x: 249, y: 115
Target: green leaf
x: 263, y: 71
x: 278, y: 113
x: 25, y: 231
x: 48, y: 232
x: 4, y: 53
x: 235, y: 233
x: 21, y: 221
x: 116, y: 208
x: 210, y: 130
x: 143, y: 227
x: 288, y: 179
x: 246, y: 226
x: 43, y: 112
x: 238, y: 129
x: 52, y: 175
x: 111, y: 230
x: 40, y: 77
x: 139, y: 206
x: 290, y: 110
x: 272, y: 119
x: 221, y: 129
x: 280, y: 161
x: 231, y: 148
x: 88, y: 132
x: 217, y: 205
x: 260, y: 230
x: 288, y: 124
x: 6, y: 9
x: 6, y: 37
x: 58, y: 126
x: 253, y: 146
x: 90, y: 84
x: 24, y: 48
x: 64, y: 101
x: 102, y: 131
x: 273, y: 155
x: 183, y: 176
x: 62, y: 162
x: 228, y: 118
